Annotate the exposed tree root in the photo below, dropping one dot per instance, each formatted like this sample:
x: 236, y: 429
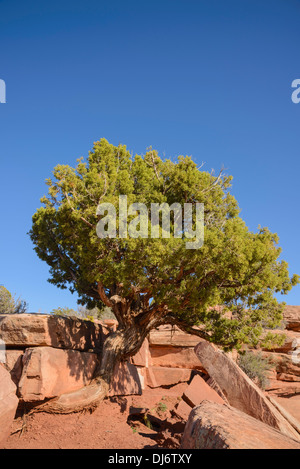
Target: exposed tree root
x: 87, y: 398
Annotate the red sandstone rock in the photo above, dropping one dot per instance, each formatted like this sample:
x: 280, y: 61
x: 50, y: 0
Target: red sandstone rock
x: 183, y: 410
x: 49, y: 372
x: 8, y: 403
x: 214, y: 385
x: 13, y: 364
x: 169, y: 335
x: 198, y: 391
x: 285, y: 389
x: 150, y: 379
x: 126, y: 380
x: 284, y: 363
x: 111, y: 324
x: 175, y: 357
x: 33, y: 330
x: 214, y: 426
x: 239, y: 390
x: 291, y: 316
x: 291, y: 405
x: 142, y: 358
x: 169, y: 376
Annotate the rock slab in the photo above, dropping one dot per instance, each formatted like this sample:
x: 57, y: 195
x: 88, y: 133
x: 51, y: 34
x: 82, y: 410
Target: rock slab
x: 8, y: 403
x: 214, y: 426
x: 49, y: 372
x: 34, y: 330
x: 126, y: 380
x: 198, y: 391
x: 239, y: 390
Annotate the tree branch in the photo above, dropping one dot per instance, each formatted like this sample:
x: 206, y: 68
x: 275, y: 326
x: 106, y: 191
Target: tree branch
x: 73, y: 209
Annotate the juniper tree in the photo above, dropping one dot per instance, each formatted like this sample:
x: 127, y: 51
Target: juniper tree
x: 148, y: 282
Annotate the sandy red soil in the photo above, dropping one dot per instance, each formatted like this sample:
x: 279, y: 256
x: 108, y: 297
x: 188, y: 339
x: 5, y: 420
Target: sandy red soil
x: 108, y: 426
x: 105, y: 428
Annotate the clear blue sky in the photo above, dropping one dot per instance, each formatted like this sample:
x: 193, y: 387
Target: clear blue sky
x: 206, y: 78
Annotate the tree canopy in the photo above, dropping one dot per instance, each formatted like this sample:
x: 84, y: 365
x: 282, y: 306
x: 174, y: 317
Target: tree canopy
x: 153, y: 281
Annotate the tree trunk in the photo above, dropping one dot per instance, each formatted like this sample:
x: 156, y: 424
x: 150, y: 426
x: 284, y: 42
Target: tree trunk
x: 118, y: 346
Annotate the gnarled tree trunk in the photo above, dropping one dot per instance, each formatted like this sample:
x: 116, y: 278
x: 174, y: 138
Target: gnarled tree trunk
x: 118, y: 346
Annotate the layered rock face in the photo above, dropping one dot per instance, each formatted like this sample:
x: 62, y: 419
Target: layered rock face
x: 34, y: 330
x: 167, y: 357
x: 49, y: 355
x: 292, y: 318
x: 284, y: 382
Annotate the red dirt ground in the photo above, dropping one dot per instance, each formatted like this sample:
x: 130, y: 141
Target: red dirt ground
x: 105, y: 428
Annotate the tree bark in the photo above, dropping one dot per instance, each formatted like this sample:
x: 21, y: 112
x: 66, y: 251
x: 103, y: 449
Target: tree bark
x: 118, y: 346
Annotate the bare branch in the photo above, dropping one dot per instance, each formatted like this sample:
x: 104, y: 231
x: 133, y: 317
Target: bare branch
x: 105, y: 187
x: 216, y: 181
x: 73, y: 209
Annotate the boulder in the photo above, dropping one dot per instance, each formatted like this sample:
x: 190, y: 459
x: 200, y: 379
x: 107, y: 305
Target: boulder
x: 142, y: 358
x: 14, y: 364
x: 126, y: 380
x: 49, y: 372
x: 183, y: 410
x: 34, y: 330
x: 169, y: 376
x: 291, y: 405
x: 285, y: 389
x: 170, y: 335
x: 175, y: 357
x: 8, y: 403
x: 198, y: 391
x: 214, y: 385
x: 149, y: 377
x: 284, y: 411
x: 239, y: 390
x: 285, y: 364
x: 291, y: 317
x: 215, y: 426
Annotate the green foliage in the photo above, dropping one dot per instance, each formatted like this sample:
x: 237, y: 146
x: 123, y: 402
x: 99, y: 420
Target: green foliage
x: 256, y: 367
x: 84, y: 313
x: 270, y: 340
x: 156, y: 281
x: 147, y: 422
x: 64, y: 312
x: 10, y: 305
x: 161, y: 407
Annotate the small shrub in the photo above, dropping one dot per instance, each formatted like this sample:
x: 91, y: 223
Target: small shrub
x: 256, y: 367
x: 84, y: 313
x: 147, y: 422
x: 161, y: 407
x: 64, y: 312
